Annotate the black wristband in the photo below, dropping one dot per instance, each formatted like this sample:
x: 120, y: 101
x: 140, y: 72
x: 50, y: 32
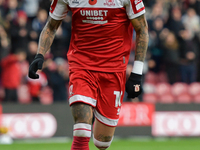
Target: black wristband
x: 39, y: 56
x: 135, y: 77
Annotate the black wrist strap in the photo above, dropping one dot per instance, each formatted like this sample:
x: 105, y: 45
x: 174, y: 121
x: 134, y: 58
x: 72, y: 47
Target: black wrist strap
x: 134, y: 76
x: 39, y: 56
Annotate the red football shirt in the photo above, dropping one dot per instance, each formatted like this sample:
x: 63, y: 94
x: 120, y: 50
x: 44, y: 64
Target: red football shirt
x: 101, y: 32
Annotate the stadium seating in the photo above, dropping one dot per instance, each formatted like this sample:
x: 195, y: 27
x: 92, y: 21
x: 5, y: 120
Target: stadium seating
x: 184, y: 98
x: 23, y: 94
x: 179, y: 88
x: 162, y: 89
x: 151, y: 77
x: 46, y: 95
x: 196, y: 98
x: 149, y: 88
x: 150, y: 98
x: 166, y: 98
x: 194, y: 88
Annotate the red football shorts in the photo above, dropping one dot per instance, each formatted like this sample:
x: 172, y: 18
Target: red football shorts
x: 103, y: 91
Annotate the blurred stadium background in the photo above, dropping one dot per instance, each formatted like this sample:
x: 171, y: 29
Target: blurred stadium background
x: 165, y: 116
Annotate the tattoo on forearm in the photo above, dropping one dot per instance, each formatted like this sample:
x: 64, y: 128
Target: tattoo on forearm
x: 82, y: 113
x: 47, y: 36
x: 142, y: 38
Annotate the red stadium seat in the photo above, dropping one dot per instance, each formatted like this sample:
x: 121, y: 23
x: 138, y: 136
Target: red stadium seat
x: 163, y: 88
x: 194, y: 88
x: 149, y: 88
x: 150, y: 98
x: 166, y: 98
x: 184, y: 98
x: 23, y: 94
x: 46, y: 95
x: 196, y: 98
x: 151, y: 77
x: 179, y: 88
x: 162, y: 77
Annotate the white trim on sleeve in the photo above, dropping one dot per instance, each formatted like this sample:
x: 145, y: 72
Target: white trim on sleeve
x: 57, y: 17
x: 84, y: 99
x: 137, y: 15
x: 107, y: 121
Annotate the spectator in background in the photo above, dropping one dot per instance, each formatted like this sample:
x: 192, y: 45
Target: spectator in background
x: 4, y: 43
x: 157, y: 11
x: 155, y: 46
x: 35, y: 86
x: 19, y: 31
x: 2, y: 12
x: 188, y: 57
x: 40, y: 21
x: 174, y: 22
x: 191, y: 22
x: 11, y: 10
x: 32, y: 50
x: 171, y: 57
x: 44, y: 4
x: 195, y: 4
x: 58, y: 48
x: 11, y: 74
x: 58, y: 77
x: 31, y: 8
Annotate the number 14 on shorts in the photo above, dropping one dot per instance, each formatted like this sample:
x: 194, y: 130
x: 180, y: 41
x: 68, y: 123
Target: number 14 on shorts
x: 118, y: 95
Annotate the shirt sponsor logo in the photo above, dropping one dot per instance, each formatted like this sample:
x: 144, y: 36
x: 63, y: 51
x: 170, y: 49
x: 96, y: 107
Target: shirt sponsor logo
x: 99, y: 13
x: 94, y: 16
x: 110, y: 3
x: 75, y: 1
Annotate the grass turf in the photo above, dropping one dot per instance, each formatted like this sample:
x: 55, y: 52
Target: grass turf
x: 170, y: 144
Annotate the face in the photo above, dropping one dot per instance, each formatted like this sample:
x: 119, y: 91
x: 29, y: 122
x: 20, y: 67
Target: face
x: 12, y: 4
x: 158, y: 24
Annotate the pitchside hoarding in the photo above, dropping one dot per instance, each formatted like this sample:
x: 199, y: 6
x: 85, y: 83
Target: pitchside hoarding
x: 175, y: 123
x: 136, y: 114
x: 136, y: 119
x: 30, y: 125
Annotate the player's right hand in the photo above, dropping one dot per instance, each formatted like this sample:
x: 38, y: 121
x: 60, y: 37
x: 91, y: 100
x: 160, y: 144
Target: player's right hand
x: 35, y: 65
x: 134, y: 85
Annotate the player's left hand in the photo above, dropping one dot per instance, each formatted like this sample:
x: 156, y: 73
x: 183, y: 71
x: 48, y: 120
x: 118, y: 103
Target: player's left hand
x: 35, y: 65
x: 134, y: 85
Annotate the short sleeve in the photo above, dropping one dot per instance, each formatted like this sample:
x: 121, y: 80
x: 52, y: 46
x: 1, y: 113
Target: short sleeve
x: 58, y: 9
x: 134, y: 8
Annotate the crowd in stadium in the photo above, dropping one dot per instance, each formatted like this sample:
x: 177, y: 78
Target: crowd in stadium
x: 172, y: 57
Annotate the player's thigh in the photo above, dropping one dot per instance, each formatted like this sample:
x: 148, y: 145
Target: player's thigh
x: 111, y: 89
x: 82, y: 113
x: 103, y: 132
x: 83, y: 95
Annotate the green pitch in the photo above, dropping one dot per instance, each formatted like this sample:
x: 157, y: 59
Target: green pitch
x: 171, y: 144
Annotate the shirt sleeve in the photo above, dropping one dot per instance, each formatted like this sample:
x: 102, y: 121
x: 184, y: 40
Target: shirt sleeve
x: 134, y: 8
x: 58, y: 9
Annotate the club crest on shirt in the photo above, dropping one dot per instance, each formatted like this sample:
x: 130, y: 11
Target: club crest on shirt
x: 92, y: 2
x: 110, y: 2
x: 137, y: 87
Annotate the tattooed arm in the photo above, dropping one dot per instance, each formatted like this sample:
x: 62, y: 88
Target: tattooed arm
x: 47, y: 35
x: 142, y: 37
